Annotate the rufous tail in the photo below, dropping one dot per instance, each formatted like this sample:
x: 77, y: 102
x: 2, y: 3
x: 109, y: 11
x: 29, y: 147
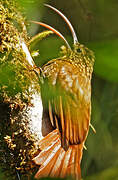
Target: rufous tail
x: 54, y: 161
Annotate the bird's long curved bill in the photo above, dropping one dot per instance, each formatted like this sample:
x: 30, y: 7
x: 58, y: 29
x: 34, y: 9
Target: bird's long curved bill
x: 54, y: 30
x: 66, y: 20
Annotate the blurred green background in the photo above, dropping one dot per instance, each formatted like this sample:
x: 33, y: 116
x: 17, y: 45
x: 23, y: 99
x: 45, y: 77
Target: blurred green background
x: 96, y: 25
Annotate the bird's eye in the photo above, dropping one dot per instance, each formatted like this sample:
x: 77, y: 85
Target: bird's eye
x: 79, y: 50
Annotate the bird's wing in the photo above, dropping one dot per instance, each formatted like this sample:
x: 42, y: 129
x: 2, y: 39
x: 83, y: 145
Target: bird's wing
x: 66, y: 94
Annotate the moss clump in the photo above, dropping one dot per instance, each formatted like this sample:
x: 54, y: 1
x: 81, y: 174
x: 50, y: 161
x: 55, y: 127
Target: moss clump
x: 15, y: 72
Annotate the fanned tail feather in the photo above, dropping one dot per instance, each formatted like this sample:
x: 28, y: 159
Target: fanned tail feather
x: 54, y: 161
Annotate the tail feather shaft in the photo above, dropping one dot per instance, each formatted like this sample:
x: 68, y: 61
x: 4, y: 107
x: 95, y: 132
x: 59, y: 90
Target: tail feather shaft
x: 46, y: 153
x: 65, y: 163
x: 44, y: 170
x: 47, y: 140
x: 57, y: 167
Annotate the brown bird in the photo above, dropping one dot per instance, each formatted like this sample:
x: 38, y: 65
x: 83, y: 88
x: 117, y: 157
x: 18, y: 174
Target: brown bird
x: 66, y: 98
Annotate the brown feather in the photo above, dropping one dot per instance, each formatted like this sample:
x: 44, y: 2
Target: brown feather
x: 44, y: 154
x: 72, y: 162
x: 77, y: 164
x: 65, y: 163
x: 46, y: 167
x: 67, y: 124
x: 70, y: 126
x: 75, y: 133
x: 62, y: 115
x: 57, y: 166
x: 50, y: 114
x: 62, y: 123
x: 47, y: 140
x: 54, y: 151
x: 80, y: 132
x: 70, y: 169
x: 55, y: 106
x: 56, y: 122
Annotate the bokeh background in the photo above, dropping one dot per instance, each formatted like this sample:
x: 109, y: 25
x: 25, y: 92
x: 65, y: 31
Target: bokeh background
x: 96, y: 25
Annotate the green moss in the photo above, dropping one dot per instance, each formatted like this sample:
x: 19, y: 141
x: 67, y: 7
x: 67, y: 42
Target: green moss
x: 15, y: 72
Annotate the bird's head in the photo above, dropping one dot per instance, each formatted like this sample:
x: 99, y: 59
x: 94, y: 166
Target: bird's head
x: 79, y: 51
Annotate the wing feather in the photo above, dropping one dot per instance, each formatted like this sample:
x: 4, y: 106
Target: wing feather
x: 50, y: 114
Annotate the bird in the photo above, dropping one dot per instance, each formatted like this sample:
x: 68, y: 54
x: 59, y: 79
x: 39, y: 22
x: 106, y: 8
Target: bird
x: 66, y: 99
